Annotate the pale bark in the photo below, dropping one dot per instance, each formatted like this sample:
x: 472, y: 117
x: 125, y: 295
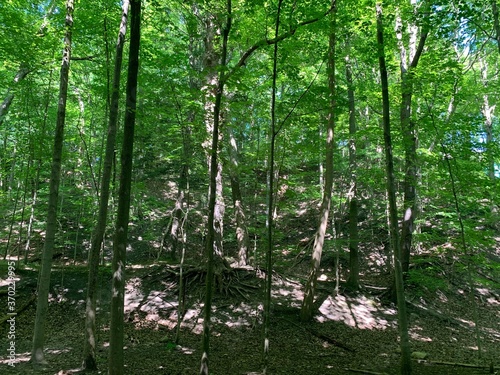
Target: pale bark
x: 37, y: 354
x: 239, y: 209
x: 89, y: 351
x: 488, y: 110
x: 212, y: 57
x: 115, y: 359
x: 9, y: 97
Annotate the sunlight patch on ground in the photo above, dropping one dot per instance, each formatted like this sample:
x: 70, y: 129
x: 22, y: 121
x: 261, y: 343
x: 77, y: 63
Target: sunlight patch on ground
x: 495, y: 334
x: 133, y: 295
x: 359, y: 312
x: 155, y: 302
x: 415, y: 335
x: 20, y: 357
x: 192, y: 319
x: 287, y: 291
x: 241, y: 315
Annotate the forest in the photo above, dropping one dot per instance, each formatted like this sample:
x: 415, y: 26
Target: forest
x: 249, y: 187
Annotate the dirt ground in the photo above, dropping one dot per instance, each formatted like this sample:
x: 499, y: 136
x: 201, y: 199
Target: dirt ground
x: 351, y: 333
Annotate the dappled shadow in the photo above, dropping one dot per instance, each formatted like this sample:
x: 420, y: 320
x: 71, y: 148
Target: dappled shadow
x: 359, y: 311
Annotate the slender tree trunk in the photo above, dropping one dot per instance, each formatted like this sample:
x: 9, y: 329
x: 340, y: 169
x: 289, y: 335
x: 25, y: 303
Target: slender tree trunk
x: 212, y: 57
x: 89, y: 351
x: 353, y: 280
x: 9, y: 97
x: 409, y: 135
x: 270, y: 201
x: 115, y: 364
x: 38, y: 168
x: 239, y: 210
x: 391, y: 192
x: 214, y: 170
x: 306, y: 311
x: 176, y: 230
x: 487, y: 110
x: 37, y: 355
x: 12, y: 220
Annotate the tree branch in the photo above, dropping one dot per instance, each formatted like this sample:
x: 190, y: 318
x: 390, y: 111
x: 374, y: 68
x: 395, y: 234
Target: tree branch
x: 266, y: 42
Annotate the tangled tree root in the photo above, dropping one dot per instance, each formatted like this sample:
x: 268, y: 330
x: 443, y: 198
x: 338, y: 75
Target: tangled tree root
x: 228, y: 282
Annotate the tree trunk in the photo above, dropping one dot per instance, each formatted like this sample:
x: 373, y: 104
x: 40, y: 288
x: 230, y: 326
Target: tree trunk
x: 239, y: 210
x: 211, y: 246
x: 37, y: 355
x: 212, y: 57
x: 391, y: 192
x: 89, y: 351
x: 306, y: 311
x: 353, y: 280
x: 115, y: 364
x: 9, y: 97
x: 487, y: 110
x: 409, y: 135
x: 176, y: 229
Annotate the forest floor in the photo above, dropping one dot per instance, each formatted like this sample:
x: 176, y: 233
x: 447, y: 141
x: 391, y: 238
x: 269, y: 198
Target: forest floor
x: 350, y: 333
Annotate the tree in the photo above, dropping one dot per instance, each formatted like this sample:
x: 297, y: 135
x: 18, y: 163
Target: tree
x: 211, y: 59
x: 122, y: 219
x: 89, y: 360
x: 214, y: 172
x: 306, y: 311
x: 239, y: 209
x: 409, y: 132
x: 353, y: 280
x: 37, y: 355
x: 391, y: 193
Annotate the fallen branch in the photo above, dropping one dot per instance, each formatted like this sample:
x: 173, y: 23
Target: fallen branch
x: 365, y: 371
x: 456, y: 364
x: 330, y: 340
x: 435, y: 314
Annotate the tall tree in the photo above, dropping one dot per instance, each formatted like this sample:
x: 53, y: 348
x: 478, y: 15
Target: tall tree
x: 270, y: 194
x: 214, y: 162
x: 391, y: 193
x: 408, y: 63
x: 353, y: 280
x: 37, y: 355
x: 211, y: 59
x: 115, y: 364
x: 89, y: 351
x: 306, y: 311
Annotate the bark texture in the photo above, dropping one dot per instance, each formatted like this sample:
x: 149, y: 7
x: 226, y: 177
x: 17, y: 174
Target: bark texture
x: 211, y: 246
x: 115, y: 360
x: 391, y: 193
x: 89, y: 350
x: 37, y: 355
x: 306, y: 311
x: 353, y: 280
